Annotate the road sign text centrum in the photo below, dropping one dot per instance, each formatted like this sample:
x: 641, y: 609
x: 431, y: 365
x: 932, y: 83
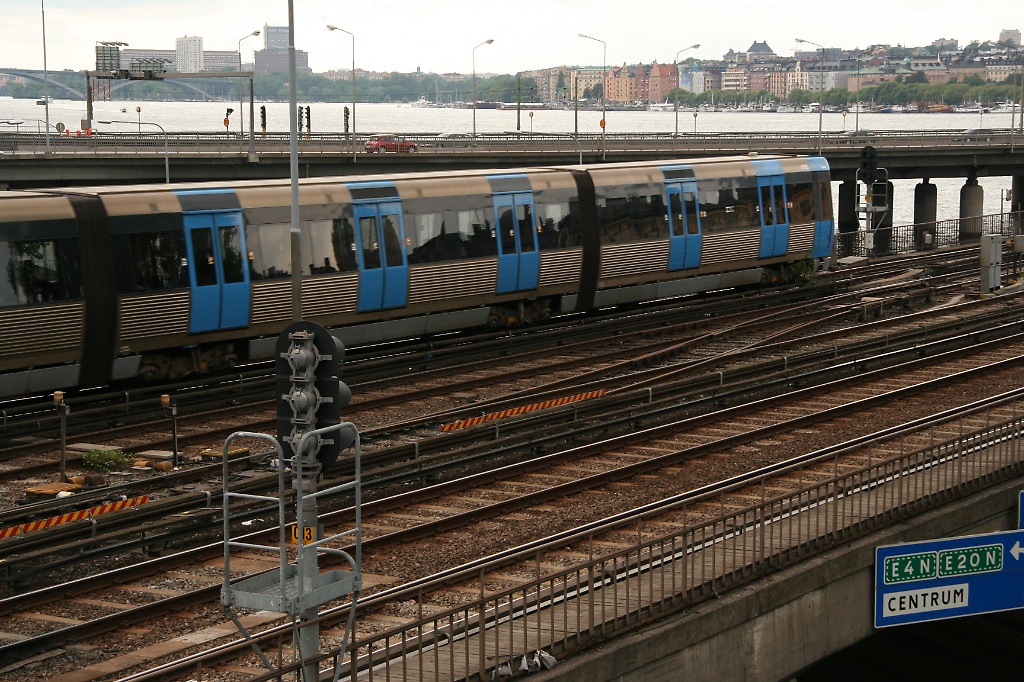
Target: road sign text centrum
x: 944, y: 564
x: 949, y: 578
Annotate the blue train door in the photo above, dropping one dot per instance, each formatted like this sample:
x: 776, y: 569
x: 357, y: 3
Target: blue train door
x: 684, y: 226
x: 771, y: 191
x: 383, y: 265
x: 218, y: 276
x: 518, y: 257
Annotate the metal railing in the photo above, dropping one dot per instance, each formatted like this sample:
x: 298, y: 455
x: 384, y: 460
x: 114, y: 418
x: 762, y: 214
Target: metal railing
x: 890, y: 241
x: 558, y: 612
x: 102, y: 142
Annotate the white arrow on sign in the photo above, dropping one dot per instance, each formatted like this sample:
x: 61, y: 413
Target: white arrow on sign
x: 1016, y: 550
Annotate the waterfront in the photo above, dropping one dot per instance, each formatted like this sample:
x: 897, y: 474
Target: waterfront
x: 405, y: 118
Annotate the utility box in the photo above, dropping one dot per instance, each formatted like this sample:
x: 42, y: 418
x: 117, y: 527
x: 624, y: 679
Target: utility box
x: 1018, y: 243
x: 991, y: 262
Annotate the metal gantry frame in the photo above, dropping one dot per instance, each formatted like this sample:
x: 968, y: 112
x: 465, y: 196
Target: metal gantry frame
x: 296, y: 589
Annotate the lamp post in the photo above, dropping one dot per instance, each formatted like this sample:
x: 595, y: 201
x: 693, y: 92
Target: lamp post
x: 691, y: 47
x: 46, y: 76
x: 241, y: 98
x: 694, y: 122
x: 604, y: 94
x: 1020, y: 56
x: 167, y: 163
x: 821, y: 86
x: 331, y: 27
x: 486, y: 42
x: 856, y: 114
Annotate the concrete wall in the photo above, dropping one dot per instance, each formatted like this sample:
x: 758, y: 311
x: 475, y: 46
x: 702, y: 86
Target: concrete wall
x: 780, y: 624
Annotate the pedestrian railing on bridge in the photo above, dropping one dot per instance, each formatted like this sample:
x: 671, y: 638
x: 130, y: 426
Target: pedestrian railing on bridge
x: 891, y: 241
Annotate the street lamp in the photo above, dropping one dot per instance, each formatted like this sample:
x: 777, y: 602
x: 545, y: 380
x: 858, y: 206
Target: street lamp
x: 331, y: 27
x: 604, y: 84
x: 486, y: 42
x: 691, y: 47
x: 241, y: 98
x: 16, y: 122
x: 821, y: 86
x: 46, y: 76
x: 167, y: 163
x: 1020, y: 56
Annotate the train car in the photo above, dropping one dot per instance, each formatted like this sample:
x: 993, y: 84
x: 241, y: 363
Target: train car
x: 157, y: 282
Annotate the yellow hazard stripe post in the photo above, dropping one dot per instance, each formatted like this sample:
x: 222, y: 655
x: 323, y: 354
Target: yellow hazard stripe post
x: 514, y: 411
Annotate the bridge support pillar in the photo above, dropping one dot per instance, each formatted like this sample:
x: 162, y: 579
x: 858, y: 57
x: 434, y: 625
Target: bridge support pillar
x: 848, y: 221
x: 972, y: 207
x: 926, y: 202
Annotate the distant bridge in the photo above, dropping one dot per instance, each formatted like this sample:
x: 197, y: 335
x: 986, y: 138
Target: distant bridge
x: 52, y: 78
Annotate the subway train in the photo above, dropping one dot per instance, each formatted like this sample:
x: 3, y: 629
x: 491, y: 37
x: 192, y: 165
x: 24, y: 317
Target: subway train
x: 109, y: 284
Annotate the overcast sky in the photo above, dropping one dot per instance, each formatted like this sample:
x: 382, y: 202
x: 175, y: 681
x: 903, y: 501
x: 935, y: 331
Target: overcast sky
x: 440, y: 35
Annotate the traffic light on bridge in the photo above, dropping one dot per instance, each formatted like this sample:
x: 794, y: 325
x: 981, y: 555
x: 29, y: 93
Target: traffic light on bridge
x: 310, y: 394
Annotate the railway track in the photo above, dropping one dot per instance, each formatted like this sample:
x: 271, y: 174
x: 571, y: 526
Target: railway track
x: 397, y: 461
x: 625, y: 461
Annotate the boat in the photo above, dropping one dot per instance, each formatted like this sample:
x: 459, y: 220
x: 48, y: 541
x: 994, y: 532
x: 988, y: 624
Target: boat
x: 661, y: 106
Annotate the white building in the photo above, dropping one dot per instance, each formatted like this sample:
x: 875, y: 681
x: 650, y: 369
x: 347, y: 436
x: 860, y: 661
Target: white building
x: 189, y: 54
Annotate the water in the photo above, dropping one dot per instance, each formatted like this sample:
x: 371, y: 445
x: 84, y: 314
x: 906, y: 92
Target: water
x: 403, y: 118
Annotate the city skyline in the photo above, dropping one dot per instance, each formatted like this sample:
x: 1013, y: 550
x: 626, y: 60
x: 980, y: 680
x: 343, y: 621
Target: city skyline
x: 449, y: 35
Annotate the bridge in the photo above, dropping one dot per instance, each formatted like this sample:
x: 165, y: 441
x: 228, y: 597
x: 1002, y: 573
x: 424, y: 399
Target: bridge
x: 30, y: 159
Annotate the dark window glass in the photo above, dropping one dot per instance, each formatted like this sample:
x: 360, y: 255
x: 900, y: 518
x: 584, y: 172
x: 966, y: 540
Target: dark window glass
x: 156, y: 261
x: 506, y: 225
x: 678, y: 222
x: 473, y: 231
x: 555, y: 229
x: 525, y: 228
x: 779, y: 192
x: 801, y: 202
x: 344, y: 245
x: 369, y: 245
x: 392, y: 241
x: 202, y: 251
x: 231, y: 254
x: 270, y: 253
x: 690, y: 202
x: 824, y: 197
x: 767, y: 214
x: 728, y: 207
x: 425, y: 234
x: 39, y: 271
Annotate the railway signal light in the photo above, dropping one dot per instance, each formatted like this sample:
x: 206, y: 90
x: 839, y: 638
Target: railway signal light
x: 310, y: 394
x: 346, y: 119
x: 868, y: 164
x: 300, y: 118
x: 309, y: 120
x: 263, y: 118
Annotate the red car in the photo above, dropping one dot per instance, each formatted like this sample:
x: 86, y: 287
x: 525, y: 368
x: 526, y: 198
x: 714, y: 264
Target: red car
x: 389, y: 143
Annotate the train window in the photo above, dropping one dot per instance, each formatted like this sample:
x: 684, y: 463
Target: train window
x: 526, y: 240
x: 801, y: 201
x: 231, y: 254
x: 39, y: 272
x: 343, y: 241
x: 690, y: 203
x: 730, y: 208
x: 369, y: 245
x: 203, y: 263
x: 270, y: 254
x: 472, y: 232
x: 554, y: 229
x: 392, y: 242
x: 632, y: 213
x: 506, y: 226
x: 824, y: 197
x: 322, y: 246
x: 156, y: 262
x: 425, y: 235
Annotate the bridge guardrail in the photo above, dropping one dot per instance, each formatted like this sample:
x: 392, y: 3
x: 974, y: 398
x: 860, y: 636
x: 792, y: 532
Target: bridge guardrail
x: 101, y: 143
